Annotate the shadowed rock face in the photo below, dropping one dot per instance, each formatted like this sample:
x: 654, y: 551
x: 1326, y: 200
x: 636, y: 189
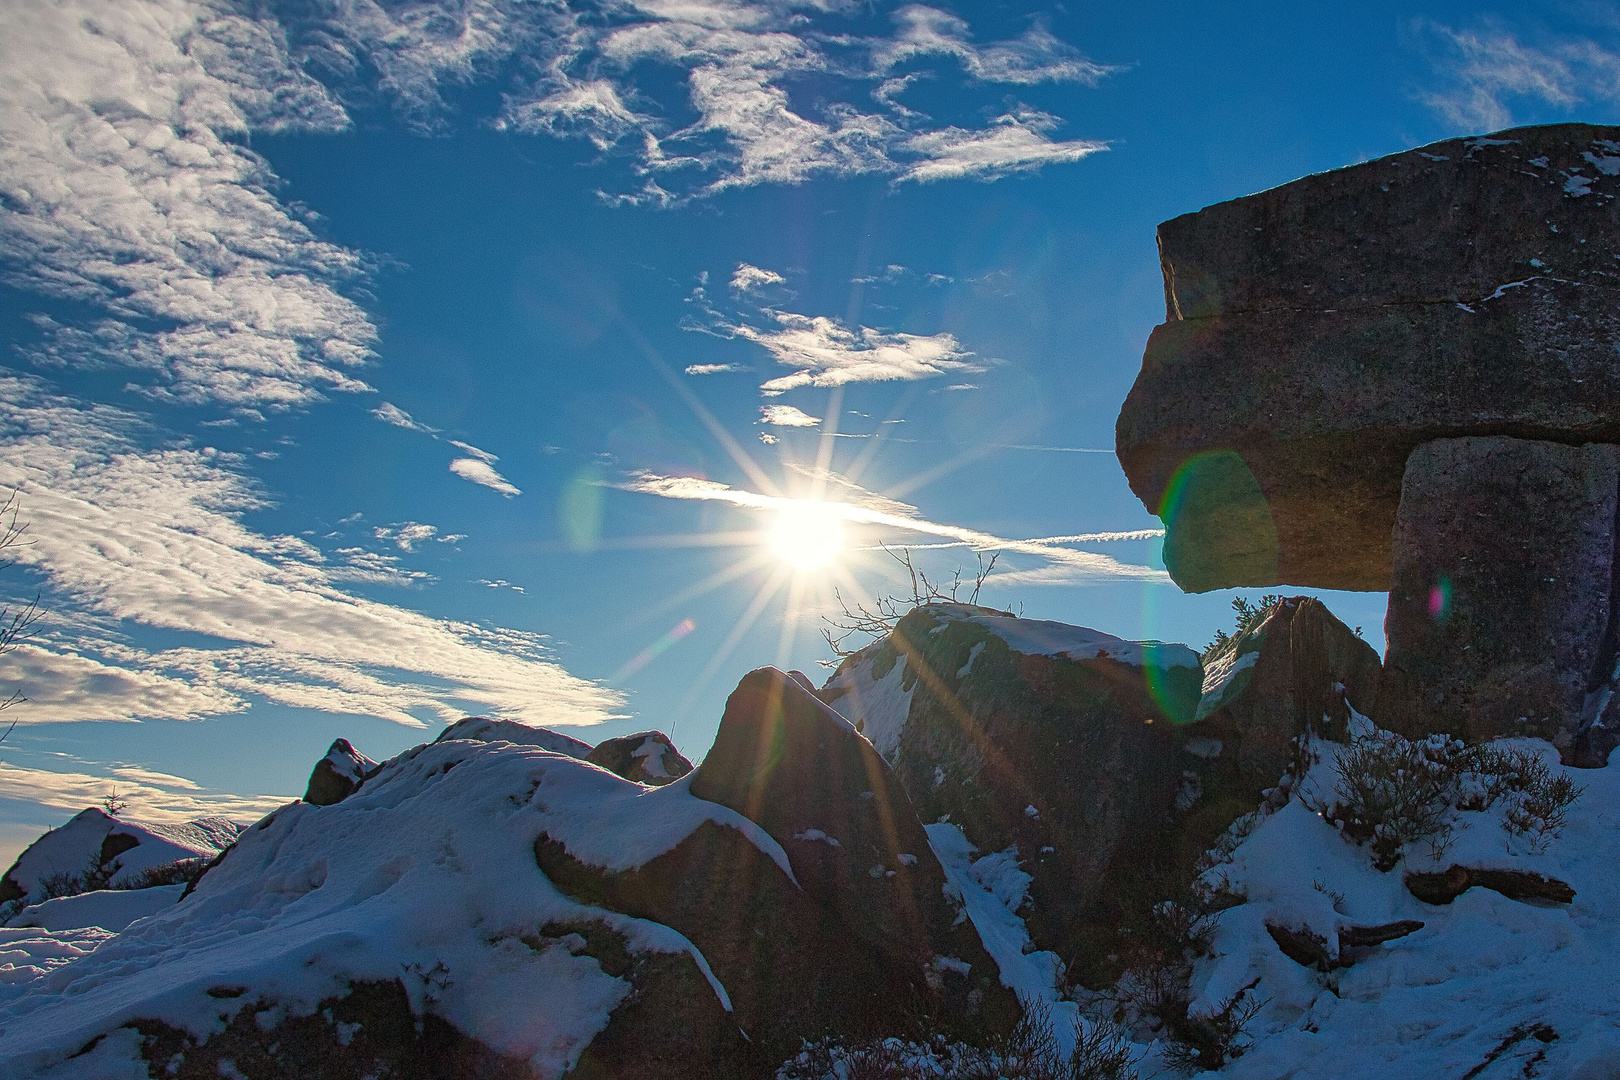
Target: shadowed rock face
x: 1299, y: 669
x: 1076, y: 760
x: 1499, y: 622
x: 1318, y: 332
x: 799, y: 770
x: 337, y: 775
x: 853, y: 941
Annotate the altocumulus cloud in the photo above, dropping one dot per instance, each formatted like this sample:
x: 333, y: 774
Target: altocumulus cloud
x: 128, y: 536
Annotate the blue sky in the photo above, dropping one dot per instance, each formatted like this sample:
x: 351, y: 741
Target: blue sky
x: 368, y: 365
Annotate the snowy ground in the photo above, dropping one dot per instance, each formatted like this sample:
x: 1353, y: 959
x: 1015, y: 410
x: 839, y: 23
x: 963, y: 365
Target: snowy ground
x: 1483, y: 971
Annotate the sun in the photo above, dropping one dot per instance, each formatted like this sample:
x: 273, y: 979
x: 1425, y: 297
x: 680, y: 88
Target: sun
x: 807, y: 535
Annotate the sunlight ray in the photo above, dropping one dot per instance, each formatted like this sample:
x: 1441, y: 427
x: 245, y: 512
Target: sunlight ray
x: 790, y: 621
x: 729, y: 645
x: 724, y: 576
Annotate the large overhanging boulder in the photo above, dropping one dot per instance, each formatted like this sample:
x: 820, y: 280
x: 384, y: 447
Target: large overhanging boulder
x: 1318, y: 332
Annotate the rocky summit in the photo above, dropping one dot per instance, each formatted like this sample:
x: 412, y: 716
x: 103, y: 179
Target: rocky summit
x: 1400, y: 375
x: 1315, y: 334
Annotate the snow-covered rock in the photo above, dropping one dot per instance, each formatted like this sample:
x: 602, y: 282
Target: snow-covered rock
x: 483, y: 729
x: 488, y: 908
x: 1058, y: 748
x: 95, y: 850
x: 410, y: 924
x: 336, y: 775
x: 647, y: 757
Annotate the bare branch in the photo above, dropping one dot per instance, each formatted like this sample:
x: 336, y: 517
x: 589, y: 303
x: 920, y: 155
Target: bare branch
x: 887, y: 611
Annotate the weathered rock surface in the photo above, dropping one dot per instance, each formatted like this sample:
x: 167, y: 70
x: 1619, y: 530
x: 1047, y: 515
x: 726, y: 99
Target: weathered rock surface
x: 1318, y: 332
x: 647, y: 757
x: 1500, y: 612
x: 796, y: 767
x: 336, y: 775
x: 1298, y: 670
x: 483, y: 729
x: 1058, y: 745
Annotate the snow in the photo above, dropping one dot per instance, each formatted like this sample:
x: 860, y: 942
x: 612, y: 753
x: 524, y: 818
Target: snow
x: 973, y: 654
x: 882, y: 705
x: 1224, y: 679
x: 1038, y: 637
x: 989, y: 891
x: 1438, y: 1002
x: 395, y: 879
x: 817, y: 834
x: 1606, y: 164
x: 482, y: 729
x: 652, y: 748
x: 108, y: 909
x: 75, y: 847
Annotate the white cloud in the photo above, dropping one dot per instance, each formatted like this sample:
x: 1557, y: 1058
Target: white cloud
x: 468, y: 448
x: 888, y: 275
x: 480, y: 471
x: 127, y: 186
x: 1035, y: 56
x: 153, y: 797
x: 81, y: 678
x: 786, y: 416
x: 746, y: 278
x: 153, y: 538
x: 389, y: 413
x: 373, y: 568
x: 1015, y: 142
x: 1061, y: 565
x: 824, y: 352
x: 406, y: 535
x: 715, y: 369
x: 768, y: 439
x: 1483, y: 70
x: 738, y: 60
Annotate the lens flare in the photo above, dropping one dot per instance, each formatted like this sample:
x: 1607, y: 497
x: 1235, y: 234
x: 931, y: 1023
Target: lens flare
x: 1440, y: 600
x: 807, y: 535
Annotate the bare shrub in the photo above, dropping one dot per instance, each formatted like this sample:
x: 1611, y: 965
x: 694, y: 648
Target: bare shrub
x: 1029, y: 1052
x: 1393, y: 793
x: 1203, y: 1042
x: 886, y: 611
x: 178, y: 872
x: 62, y: 883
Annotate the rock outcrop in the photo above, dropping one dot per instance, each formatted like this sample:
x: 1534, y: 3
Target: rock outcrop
x: 1318, y: 332
x: 647, y: 757
x: 1297, y: 670
x: 336, y: 775
x: 1061, y: 749
x: 1500, y: 611
x: 491, y: 908
x: 1400, y: 375
x: 785, y: 760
